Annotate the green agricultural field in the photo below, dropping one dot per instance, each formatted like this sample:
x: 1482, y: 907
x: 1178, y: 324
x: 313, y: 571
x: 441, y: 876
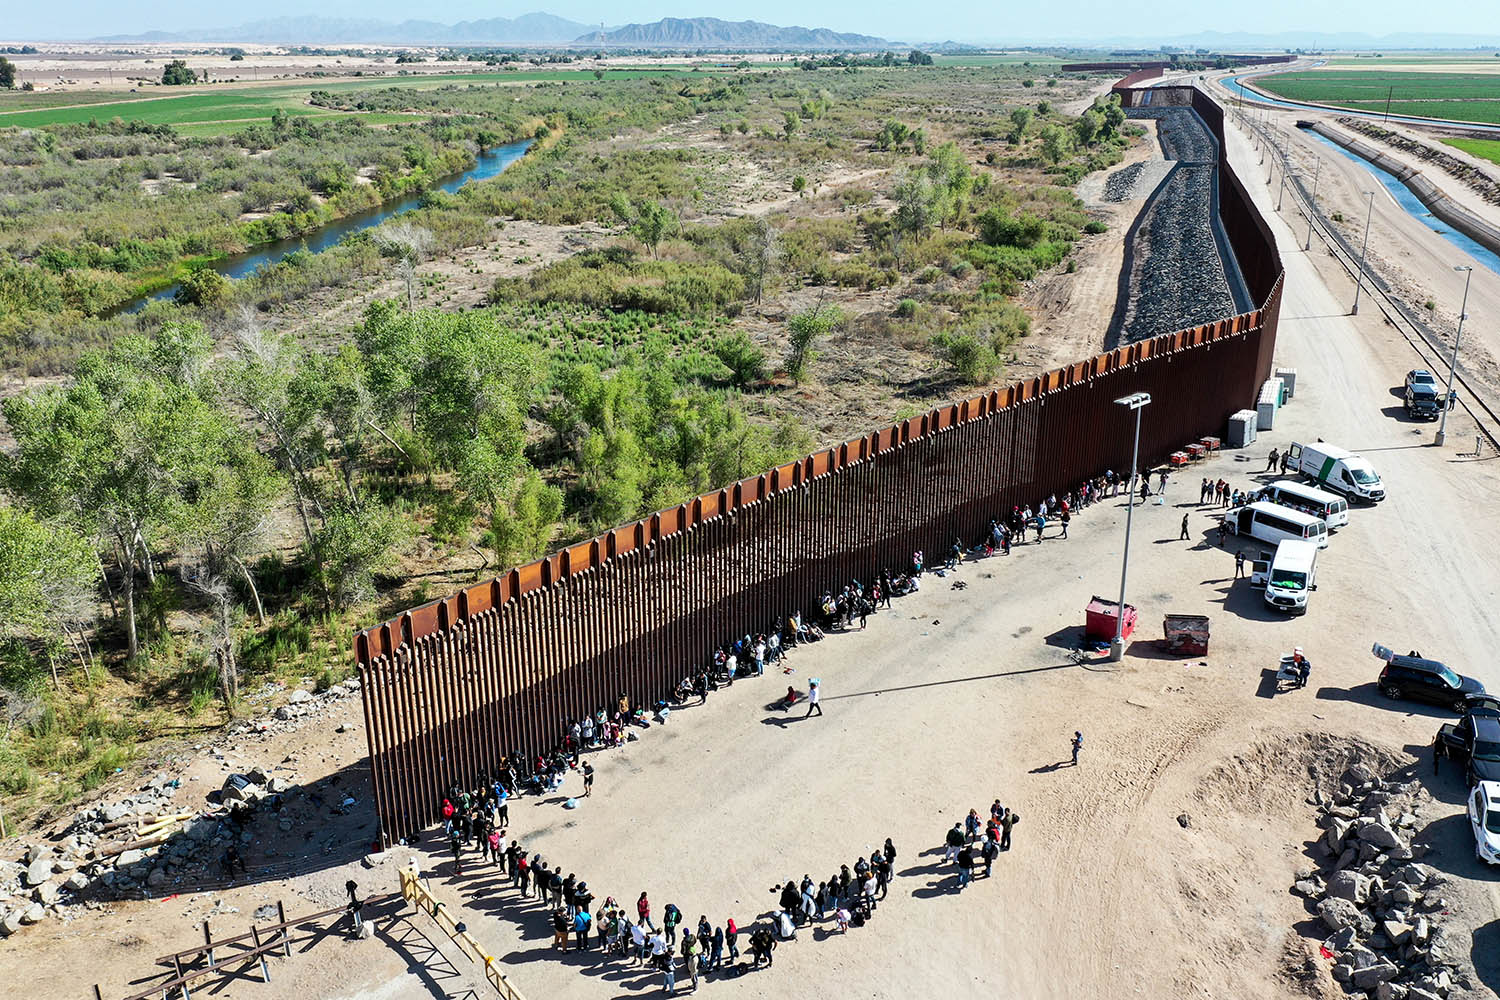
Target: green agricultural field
x: 219, y: 109
x: 1471, y: 97
x: 1488, y: 149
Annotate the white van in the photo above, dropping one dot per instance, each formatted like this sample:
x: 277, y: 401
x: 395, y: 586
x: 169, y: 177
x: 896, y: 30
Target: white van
x: 1337, y: 469
x: 1273, y: 523
x: 1309, y: 500
x: 1294, y: 575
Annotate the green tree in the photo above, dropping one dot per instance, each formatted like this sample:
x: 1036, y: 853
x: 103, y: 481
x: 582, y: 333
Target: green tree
x: 1020, y: 122
x: 126, y: 449
x: 1055, y: 144
x: 649, y: 221
x: 203, y: 287
x: 7, y: 73
x: 176, y: 73
x: 407, y: 244
x: 759, y: 255
x: 49, y: 579
x: 1088, y: 127
x: 803, y: 330
x: 356, y: 541
x: 971, y: 357
x: 790, y: 123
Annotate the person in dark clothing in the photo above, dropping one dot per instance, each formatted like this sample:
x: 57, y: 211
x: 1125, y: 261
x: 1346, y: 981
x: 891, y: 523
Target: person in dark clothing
x: 965, y: 866
x: 1007, y: 821
x: 989, y: 852
x: 1077, y: 746
x: 1184, y: 536
x: 1239, y: 564
x: 890, y: 851
x: 588, y: 779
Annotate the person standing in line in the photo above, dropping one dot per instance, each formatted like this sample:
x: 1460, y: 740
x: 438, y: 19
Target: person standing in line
x: 814, y: 696
x: 1239, y: 564
x: 690, y: 952
x: 716, y: 953
x: 559, y: 929
x: 1011, y: 819
x: 1064, y: 518
x: 661, y: 954
x: 643, y: 911
x: 989, y: 852
x: 890, y: 851
x: 965, y: 867
x: 971, y: 825
x: 670, y: 918
x: 639, y: 943
x: 1077, y: 746
x: 731, y: 939
x: 581, y: 923
x: 1184, y: 535
x: 588, y: 779
x: 955, y: 840
x: 668, y: 967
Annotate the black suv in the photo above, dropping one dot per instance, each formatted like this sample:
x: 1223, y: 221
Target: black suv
x: 1422, y: 402
x: 1427, y: 680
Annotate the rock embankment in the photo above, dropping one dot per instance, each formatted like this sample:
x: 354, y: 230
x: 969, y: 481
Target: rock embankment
x: 1382, y: 907
x: 160, y: 838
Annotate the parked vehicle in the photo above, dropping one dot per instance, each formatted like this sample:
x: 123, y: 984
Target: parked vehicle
x: 1474, y: 742
x: 1482, y: 704
x: 1294, y: 575
x: 1274, y: 523
x: 1310, y: 500
x: 1484, y: 820
x: 1421, y: 679
x: 1423, y: 402
x: 1337, y: 469
x: 1421, y: 377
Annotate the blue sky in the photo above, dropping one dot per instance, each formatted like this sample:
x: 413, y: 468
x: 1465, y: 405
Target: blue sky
x: 928, y: 20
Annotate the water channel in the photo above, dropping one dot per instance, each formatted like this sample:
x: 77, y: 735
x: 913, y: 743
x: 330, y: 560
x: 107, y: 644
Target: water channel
x: 490, y: 163
x: 1408, y: 200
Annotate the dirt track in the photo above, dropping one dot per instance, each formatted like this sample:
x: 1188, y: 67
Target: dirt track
x: 957, y: 697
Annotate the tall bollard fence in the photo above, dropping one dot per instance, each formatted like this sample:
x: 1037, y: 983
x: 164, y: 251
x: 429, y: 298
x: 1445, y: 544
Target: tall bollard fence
x: 452, y: 686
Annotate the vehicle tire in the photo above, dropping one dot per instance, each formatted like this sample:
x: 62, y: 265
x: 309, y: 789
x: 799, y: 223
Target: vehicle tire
x: 1391, y: 691
x: 1460, y: 707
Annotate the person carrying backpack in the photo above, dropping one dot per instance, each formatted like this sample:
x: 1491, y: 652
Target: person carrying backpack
x: 670, y: 918
x: 990, y: 852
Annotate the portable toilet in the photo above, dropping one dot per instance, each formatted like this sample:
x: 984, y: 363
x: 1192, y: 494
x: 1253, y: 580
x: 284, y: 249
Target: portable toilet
x: 1288, y: 378
x: 1241, y: 432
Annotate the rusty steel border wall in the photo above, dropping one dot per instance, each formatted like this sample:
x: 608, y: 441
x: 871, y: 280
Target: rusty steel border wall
x: 453, y: 685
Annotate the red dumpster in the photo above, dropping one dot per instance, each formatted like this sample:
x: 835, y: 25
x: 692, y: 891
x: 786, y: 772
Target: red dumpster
x: 1102, y: 616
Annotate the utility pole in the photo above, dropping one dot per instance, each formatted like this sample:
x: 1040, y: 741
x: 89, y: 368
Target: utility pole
x: 1359, y: 280
x: 1137, y: 402
x: 1453, y: 364
x: 1389, y: 91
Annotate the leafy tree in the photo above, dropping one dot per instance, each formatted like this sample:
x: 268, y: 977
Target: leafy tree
x: 790, y: 123
x: 176, y: 73
x: 647, y: 220
x: 917, y: 57
x: 356, y: 541
x: 1055, y: 144
x: 48, y: 583
x: 1088, y: 127
x: 126, y: 449
x: 743, y: 357
x: 804, y: 329
x: 205, y: 287
x: 760, y: 255
x: 7, y: 73
x: 1020, y: 122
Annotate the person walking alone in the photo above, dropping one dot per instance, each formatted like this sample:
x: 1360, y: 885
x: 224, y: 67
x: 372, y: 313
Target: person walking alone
x: 1184, y: 535
x: 1239, y: 564
x: 814, y: 698
x: 588, y: 769
x: 1077, y: 746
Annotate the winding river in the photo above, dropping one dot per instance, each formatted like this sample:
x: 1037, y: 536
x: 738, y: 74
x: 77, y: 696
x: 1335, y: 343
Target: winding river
x: 490, y: 163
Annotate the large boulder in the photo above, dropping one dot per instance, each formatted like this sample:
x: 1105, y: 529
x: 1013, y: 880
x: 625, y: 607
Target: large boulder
x: 127, y: 858
x: 1337, y: 914
x: 10, y: 923
x: 39, y: 870
x: 1334, y: 836
x: 1371, y: 976
x: 1350, y: 885
x: 33, y: 914
x: 300, y: 697
x: 1380, y: 835
x: 46, y: 893
x: 1396, y: 932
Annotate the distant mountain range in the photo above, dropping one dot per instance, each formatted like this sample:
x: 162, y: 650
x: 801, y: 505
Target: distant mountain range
x: 699, y: 32
x: 533, y: 29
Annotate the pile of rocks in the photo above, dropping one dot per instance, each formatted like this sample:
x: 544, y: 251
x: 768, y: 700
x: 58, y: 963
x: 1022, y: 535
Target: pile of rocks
x: 144, y: 843
x: 1119, y: 185
x: 1381, y: 905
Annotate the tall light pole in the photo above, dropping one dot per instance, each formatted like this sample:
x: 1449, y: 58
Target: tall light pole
x: 1453, y: 364
x: 1312, y: 204
x: 1359, y: 281
x: 1136, y: 401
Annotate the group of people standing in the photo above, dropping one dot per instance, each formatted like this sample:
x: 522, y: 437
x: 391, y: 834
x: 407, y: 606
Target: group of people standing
x: 997, y: 831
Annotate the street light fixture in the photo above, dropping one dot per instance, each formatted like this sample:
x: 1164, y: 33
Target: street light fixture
x: 1359, y: 281
x: 1136, y: 401
x: 1453, y: 364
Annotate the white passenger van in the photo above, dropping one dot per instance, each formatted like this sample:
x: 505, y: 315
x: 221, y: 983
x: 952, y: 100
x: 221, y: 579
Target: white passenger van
x: 1294, y: 575
x: 1309, y: 500
x: 1274, y: 523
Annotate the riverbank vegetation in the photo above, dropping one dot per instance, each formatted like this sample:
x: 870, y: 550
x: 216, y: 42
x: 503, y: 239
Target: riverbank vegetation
x: 215, y: 490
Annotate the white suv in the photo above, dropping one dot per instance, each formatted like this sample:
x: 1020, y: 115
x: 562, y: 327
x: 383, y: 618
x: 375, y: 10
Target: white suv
x: 1484, y: 817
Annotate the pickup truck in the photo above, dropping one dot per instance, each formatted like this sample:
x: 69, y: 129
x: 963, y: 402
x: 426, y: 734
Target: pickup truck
x: 1473, y: 741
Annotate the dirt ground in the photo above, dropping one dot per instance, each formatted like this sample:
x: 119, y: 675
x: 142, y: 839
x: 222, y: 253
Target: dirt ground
x: 956, y: 697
